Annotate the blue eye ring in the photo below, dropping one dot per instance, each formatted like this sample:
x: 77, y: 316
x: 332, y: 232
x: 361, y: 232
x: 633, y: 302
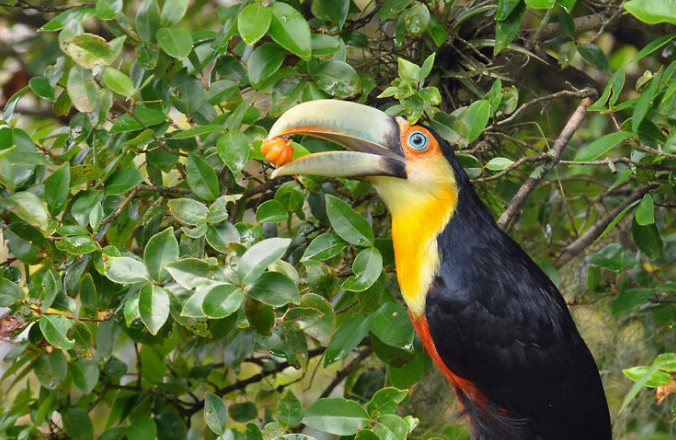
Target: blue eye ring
x: 417, y: 140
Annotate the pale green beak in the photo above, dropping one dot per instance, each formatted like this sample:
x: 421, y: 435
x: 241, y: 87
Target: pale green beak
x: 370, y: 134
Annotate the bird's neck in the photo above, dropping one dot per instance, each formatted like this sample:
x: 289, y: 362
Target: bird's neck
x: 420, y: 210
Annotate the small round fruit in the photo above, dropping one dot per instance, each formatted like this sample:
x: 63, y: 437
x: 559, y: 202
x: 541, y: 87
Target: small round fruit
x: 277, y: 150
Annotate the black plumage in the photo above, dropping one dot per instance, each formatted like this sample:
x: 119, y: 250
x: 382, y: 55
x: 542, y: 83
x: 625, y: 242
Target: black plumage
x: 498, y: 321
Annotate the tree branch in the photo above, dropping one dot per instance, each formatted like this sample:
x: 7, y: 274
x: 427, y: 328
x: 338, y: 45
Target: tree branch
x: 514, y: 207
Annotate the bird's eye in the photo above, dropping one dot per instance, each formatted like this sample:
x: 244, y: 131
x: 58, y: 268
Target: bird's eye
x: 418, y: 140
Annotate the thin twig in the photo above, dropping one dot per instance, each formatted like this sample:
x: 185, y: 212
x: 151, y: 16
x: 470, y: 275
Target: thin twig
x: 584, y: 93
x: 593, y: 232
x: 343, y: 373
x: 516, y: 204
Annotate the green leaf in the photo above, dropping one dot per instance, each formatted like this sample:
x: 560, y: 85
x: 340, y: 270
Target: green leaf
x: 153, y: 306
x: 336, y: 416
x: 29, y: 208
x: 644, y: 102
x: 51, y: 369
x: 648, y: 239
x: 271, y: 211
x: 118, y: 82
x: 264, y: 61
x: 188, y: 211
x: 141, y: 428
x: 10, y: 292
x: 42, y: 88
x: 147, y: 19
x: 594, y: 56
x: 222, y: 300
x: 220, y: 235
x: 259, y: 256
x: 417, y: 19
x: 289, y: 29
x: 346, y: 338
x: 55, y: 329
x: 610, y: 257
x: 630, y: 299
x: 601, y: 146
x: 645, y: 213
x: 82, y: 89
x: 253, y: 22
x: 391, y: 8
x: 215, y: 414
x: 173, y: 11
x: 651, y: 47
x: 506, y: 28
x: 143, y: 118
x: 505, y: 8
x: 367, y: 267
x: 347, y: 223
x: 338, y: 79
x: 85, y: 375
x: 122, y: 181
x: 652, y: 12
x: 202, y: 178
x: 289, y: 410
x: 499, y: 163
x: 161, y: 249
x: 57, y: 187
x: 78, y: 245
x: 125, y: 270
x: 189, y: 272
x: 78, y: 425
x: 476, y: 117
x: 540, y: 4
x: 243, y: 412
x: 385, y: 401
x: 654, y: 379
x: 108, y: 9
x: 76, y: 13
x: 324, y: 247
x: 89, y: 50
x: 391, y: 324
x: 234, y: 148
x: 275, y: 289
x: 200, y: 130
x: 324, y: 45
x: 175, y: 41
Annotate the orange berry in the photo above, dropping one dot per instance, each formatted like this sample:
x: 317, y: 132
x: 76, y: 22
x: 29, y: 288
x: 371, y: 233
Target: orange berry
x: 277, y: 150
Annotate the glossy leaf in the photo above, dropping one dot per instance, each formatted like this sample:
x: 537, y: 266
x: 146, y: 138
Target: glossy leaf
x: 161, y: 249
x: 202, y: 178
x: 337, y: 78
x: 324, y: 247
x: 347, y: 223
x: 222, y: 300
x: 289, y: 29
x: 55, y: 329
x: 336, y: 416
x: 215, y: 413
x: 175, y: 41
x: 260, y: 256
x: 652, y: 12
x: 346, y: 338
x: 602, y: 145
x: 118, y: 82
x: 275, y: 289
x: 289, y: 410
x: 125, y: 270
x: 367, y: 267
x: 153, y: 306
x: 253, y: 22
x: 233, y: 149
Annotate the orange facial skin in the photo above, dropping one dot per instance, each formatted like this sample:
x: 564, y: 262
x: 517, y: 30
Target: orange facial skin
x: 277, y: 150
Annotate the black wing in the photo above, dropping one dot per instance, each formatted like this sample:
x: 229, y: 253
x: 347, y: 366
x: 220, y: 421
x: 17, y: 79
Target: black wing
x: 498, y: 321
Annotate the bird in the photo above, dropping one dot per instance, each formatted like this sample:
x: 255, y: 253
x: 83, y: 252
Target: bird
x: 491, y: 320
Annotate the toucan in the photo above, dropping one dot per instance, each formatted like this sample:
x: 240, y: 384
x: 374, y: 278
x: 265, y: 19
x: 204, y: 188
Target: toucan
x: 489, y: 317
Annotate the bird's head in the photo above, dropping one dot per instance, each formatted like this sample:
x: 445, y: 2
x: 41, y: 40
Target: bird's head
x: 408, y: 164
x: 411, y: 168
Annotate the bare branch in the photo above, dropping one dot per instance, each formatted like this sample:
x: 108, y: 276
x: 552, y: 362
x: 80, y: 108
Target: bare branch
x: 507, y: 218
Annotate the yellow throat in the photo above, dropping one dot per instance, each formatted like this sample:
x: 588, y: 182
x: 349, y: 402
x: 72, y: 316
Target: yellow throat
x: 421, y: 206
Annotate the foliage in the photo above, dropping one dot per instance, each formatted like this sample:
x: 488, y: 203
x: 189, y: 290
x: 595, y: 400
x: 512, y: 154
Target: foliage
x: 157, y: 283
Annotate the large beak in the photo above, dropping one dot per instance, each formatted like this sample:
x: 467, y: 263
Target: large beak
x: 371, y: 135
